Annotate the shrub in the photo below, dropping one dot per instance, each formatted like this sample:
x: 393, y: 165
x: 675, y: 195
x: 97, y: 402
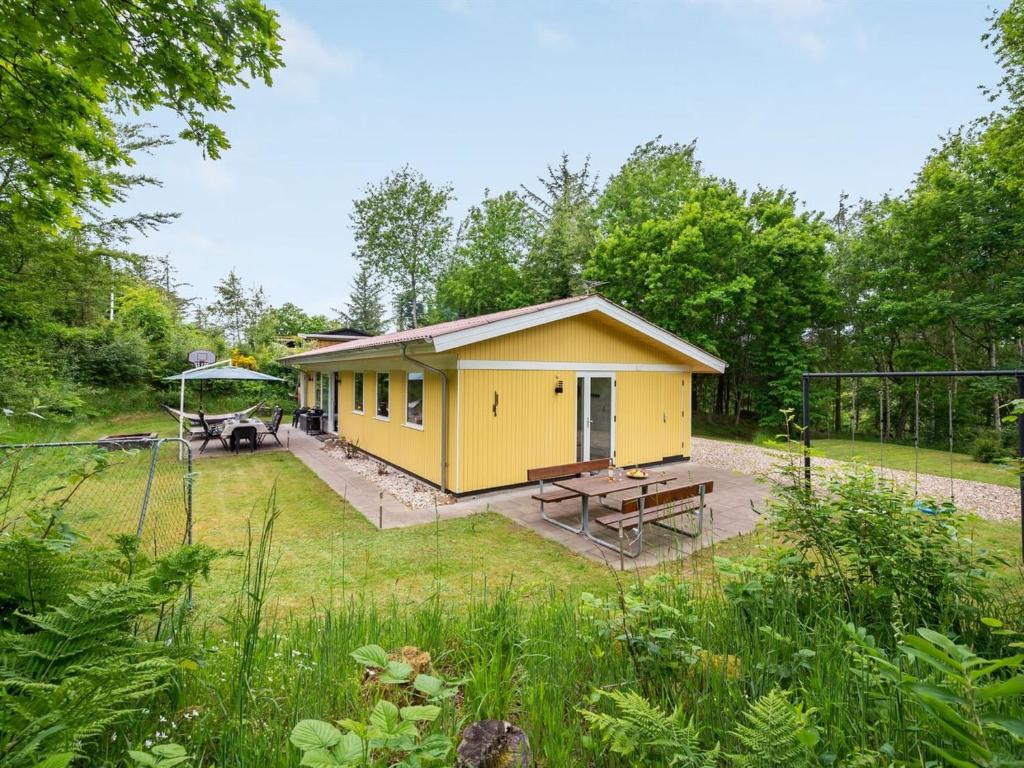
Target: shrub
x: 987, y: 447
x: 892, y: 565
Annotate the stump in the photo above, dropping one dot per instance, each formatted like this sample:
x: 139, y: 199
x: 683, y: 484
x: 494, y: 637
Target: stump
x: 494, y: 744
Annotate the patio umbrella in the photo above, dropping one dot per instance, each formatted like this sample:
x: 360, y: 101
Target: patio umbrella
x: 222, y: 371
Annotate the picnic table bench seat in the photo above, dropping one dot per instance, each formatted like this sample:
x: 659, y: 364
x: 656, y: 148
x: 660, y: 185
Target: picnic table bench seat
x: 658, y: 507
x: 560, y: 472
x: 552, y: 496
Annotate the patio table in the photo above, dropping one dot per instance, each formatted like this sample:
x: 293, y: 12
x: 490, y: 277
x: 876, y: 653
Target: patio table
x: 600, y: 485
x: 230, y: 424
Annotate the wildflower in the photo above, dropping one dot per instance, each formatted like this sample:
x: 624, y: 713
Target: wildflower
x: 163, y: 719
x: 113, y: 736
x: 148, y: 743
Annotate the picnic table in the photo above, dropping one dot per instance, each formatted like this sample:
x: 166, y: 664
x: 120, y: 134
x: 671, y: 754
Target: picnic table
x: 600, y: 485
x: 252, y: 428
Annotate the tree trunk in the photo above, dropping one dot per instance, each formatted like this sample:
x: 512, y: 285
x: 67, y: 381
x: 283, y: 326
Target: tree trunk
x: 415, y: 317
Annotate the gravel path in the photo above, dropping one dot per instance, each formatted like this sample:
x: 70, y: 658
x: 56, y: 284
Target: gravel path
x: 406, y: 489
x: 993, y: 502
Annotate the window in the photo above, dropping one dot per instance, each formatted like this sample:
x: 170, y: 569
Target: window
x: 382, y: 395
x: 414, y: 399
x: 357, y: 389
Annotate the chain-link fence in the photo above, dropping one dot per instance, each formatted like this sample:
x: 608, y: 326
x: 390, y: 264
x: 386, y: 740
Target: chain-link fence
x: 101, y: 489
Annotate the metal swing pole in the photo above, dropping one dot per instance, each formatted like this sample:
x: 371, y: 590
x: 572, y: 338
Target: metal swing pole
x: 1020, y: 458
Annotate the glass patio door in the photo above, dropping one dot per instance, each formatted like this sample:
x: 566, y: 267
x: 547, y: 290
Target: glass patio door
x: 595, y: 416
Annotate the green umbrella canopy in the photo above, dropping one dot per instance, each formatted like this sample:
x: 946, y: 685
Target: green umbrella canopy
x: 224, y: 373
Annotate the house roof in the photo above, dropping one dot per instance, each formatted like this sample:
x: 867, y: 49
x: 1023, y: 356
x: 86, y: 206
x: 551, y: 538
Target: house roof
x: 337, y: 332
x: 458, y: 333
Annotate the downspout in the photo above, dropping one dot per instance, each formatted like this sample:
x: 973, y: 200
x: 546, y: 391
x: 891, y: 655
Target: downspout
x: 444, y: 412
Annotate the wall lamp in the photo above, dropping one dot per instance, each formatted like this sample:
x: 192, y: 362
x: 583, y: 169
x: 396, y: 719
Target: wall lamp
x: 559, y: 387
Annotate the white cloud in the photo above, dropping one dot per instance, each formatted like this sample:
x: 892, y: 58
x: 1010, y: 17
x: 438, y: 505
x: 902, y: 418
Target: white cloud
x: 550, y: 37
x: 787, y: 8
x: 213, y: 174
x: 455, y: 6
x: 796, y: 22
x: 308, y: 58
x: 811, y: 44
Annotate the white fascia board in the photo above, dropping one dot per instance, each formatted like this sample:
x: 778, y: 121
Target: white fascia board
x: 366, y: 353
x: 543, y: 365
x: 564, y: 311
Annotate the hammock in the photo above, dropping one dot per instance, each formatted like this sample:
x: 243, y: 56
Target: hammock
x: 211, y: 418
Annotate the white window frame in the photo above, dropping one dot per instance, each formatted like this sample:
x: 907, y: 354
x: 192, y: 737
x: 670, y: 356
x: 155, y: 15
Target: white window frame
x: 586, y: 377
x: 423, y: 394
x: 362, y: 399
x: 376, y: 396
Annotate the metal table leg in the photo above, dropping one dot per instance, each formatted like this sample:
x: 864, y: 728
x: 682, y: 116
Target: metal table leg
x: 559, y: 523
x: 639, y: 541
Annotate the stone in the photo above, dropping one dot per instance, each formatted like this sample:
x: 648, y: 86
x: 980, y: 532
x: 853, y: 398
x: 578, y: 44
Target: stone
x: 494, y: 744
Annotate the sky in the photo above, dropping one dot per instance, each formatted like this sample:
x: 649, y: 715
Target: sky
x: 816, y: 96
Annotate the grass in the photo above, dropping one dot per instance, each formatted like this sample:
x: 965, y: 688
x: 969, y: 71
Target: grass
x: 865, y: 450
x: 501, y: 609
x: 328, y: 552
x: 930, y: 461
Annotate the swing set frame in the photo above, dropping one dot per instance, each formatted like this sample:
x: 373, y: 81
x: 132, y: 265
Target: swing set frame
x: 805, y: 421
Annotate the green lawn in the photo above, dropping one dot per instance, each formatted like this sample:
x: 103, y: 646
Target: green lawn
x: 865, y: 450
x: 931, y: 461
x: 327, y: 552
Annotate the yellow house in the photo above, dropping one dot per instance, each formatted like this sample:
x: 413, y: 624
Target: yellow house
x: 471, y: 404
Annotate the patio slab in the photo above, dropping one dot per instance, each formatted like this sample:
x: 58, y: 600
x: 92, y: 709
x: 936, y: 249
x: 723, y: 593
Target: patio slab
x: 730, y: 509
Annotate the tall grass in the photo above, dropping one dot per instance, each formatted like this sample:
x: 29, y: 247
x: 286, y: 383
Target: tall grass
x: 710, y: 644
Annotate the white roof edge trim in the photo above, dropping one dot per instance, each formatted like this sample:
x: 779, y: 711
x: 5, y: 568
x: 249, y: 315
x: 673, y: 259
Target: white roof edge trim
x: 326, y: 355
x: 590, y: 304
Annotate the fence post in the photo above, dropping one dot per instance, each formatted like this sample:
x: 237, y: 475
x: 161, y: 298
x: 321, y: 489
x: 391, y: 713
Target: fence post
x: 154, y: 455
x: 805, y: 423
x: 380, y: 511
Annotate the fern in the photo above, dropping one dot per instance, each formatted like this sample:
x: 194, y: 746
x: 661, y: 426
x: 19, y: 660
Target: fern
x: 73, y: 672
x: 776, y: 733
x: 645, y: 733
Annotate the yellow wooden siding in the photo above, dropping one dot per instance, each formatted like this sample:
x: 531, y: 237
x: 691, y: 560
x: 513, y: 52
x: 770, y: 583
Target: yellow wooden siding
x: 649, y: 422
x: 415, y: 450
x: 587, y: 338
x: 687, y: 405
x: 532, y: 427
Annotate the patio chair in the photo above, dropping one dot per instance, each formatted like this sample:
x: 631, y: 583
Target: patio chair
x: 272, y: 428
x: 210, y: 433
x: 240, y: 433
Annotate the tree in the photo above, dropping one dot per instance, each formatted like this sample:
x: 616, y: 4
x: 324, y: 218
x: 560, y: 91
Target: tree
x: 565, y: 208
x: 402, y: 231
x: 364, y: 309
x: 71, y: 68
x: 493, y: 244
x: 237, y: 310
x: 653, y: 183
x: 743, y: 276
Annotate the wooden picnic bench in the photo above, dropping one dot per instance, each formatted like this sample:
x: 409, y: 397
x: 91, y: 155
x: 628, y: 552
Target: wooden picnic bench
x: 656, y: 508
x: 560, y: 472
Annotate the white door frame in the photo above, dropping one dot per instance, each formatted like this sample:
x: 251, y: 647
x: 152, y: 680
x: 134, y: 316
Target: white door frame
x: 586, y: 376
